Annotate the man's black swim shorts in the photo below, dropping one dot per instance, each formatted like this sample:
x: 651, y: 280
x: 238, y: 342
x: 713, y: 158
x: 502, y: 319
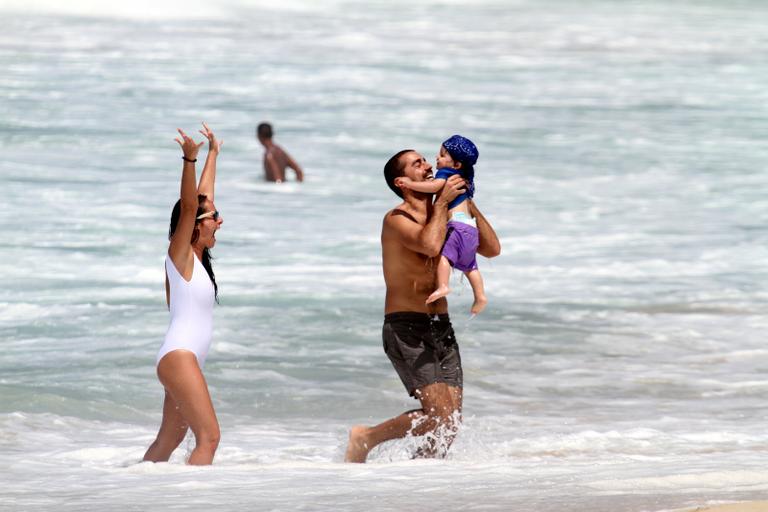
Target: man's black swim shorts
x: 422, y: 349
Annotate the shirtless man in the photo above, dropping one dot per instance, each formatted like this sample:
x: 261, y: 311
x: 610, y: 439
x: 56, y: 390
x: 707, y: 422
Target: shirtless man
x: 276, y: 159
x: 418, y: 337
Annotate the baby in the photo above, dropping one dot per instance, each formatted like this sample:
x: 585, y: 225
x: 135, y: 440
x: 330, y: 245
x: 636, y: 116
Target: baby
x: 458, y: 155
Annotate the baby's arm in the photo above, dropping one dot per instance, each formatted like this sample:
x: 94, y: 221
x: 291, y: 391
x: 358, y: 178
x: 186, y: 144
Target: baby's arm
x: 427, y: 187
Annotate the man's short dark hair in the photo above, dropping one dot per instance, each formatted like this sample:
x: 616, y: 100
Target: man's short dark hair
x: 264, y: 131
x: 394, y: 169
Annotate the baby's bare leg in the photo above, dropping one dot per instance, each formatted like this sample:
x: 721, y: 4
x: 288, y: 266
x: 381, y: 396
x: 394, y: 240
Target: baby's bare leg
x: 476, y: 281
x: 443, y: 278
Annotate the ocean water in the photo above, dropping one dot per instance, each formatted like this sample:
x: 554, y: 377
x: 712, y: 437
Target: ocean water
x: 621, y: 364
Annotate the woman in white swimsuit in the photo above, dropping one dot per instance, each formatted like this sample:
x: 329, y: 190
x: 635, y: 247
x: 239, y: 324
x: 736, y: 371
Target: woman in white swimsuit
x: 191, y: 291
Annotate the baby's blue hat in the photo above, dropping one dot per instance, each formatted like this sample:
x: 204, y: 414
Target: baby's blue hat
x: 462, y: 149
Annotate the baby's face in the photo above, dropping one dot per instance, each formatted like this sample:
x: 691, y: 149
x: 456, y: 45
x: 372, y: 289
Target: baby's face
x: 444, y: 158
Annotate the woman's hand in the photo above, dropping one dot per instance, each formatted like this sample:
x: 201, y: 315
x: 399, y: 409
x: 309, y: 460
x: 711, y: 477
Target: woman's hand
x: 214, y: 144
x: 188, y: 146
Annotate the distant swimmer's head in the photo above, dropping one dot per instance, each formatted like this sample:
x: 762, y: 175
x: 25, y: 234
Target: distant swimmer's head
x: 264, y: 132
x: 406, y: 163
x: 461, y: 150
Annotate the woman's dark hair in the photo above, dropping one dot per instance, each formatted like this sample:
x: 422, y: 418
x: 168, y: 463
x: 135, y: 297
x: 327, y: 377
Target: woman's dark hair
x: 207, y: 258
x: 394, y: 169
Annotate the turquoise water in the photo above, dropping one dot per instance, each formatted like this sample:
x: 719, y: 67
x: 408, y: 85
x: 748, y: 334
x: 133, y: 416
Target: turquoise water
x: 620, y: 364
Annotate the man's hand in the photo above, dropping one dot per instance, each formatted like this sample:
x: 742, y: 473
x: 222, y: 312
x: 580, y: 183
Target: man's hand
x: 453, y: 188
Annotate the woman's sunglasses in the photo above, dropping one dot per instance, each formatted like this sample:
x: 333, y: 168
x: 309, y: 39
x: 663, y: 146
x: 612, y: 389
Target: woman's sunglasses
x: 214, y: 214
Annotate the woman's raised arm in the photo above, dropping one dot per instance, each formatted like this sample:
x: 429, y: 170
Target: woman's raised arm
x: 181, y: 248
x: 208, y: 178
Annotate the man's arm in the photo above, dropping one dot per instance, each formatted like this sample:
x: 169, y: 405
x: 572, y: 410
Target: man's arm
x: 296, y: 168
x: 489, y: 242
x: 427, y: 239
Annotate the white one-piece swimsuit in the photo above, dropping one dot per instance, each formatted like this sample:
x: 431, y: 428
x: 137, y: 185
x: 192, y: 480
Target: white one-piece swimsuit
x: 191, y: 305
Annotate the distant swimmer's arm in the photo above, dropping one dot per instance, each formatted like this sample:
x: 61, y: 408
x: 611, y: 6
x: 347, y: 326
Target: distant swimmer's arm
x: 208, y: 177
x: 489, y: 242
x: 428, y: 239
x: 427, y: 187
x: 297, y: 169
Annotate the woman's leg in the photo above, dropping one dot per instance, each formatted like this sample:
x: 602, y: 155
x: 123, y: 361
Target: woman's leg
x: 180, y: 374
x: 172, y: 431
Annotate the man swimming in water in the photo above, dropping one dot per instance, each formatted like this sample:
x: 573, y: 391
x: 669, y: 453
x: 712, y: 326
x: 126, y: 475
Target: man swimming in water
x: 276, y: 159
x: 418, y: 337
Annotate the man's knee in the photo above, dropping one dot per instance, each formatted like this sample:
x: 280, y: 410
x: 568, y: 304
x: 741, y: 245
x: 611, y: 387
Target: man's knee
x: 441, y: 414
x: 450, y: 417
